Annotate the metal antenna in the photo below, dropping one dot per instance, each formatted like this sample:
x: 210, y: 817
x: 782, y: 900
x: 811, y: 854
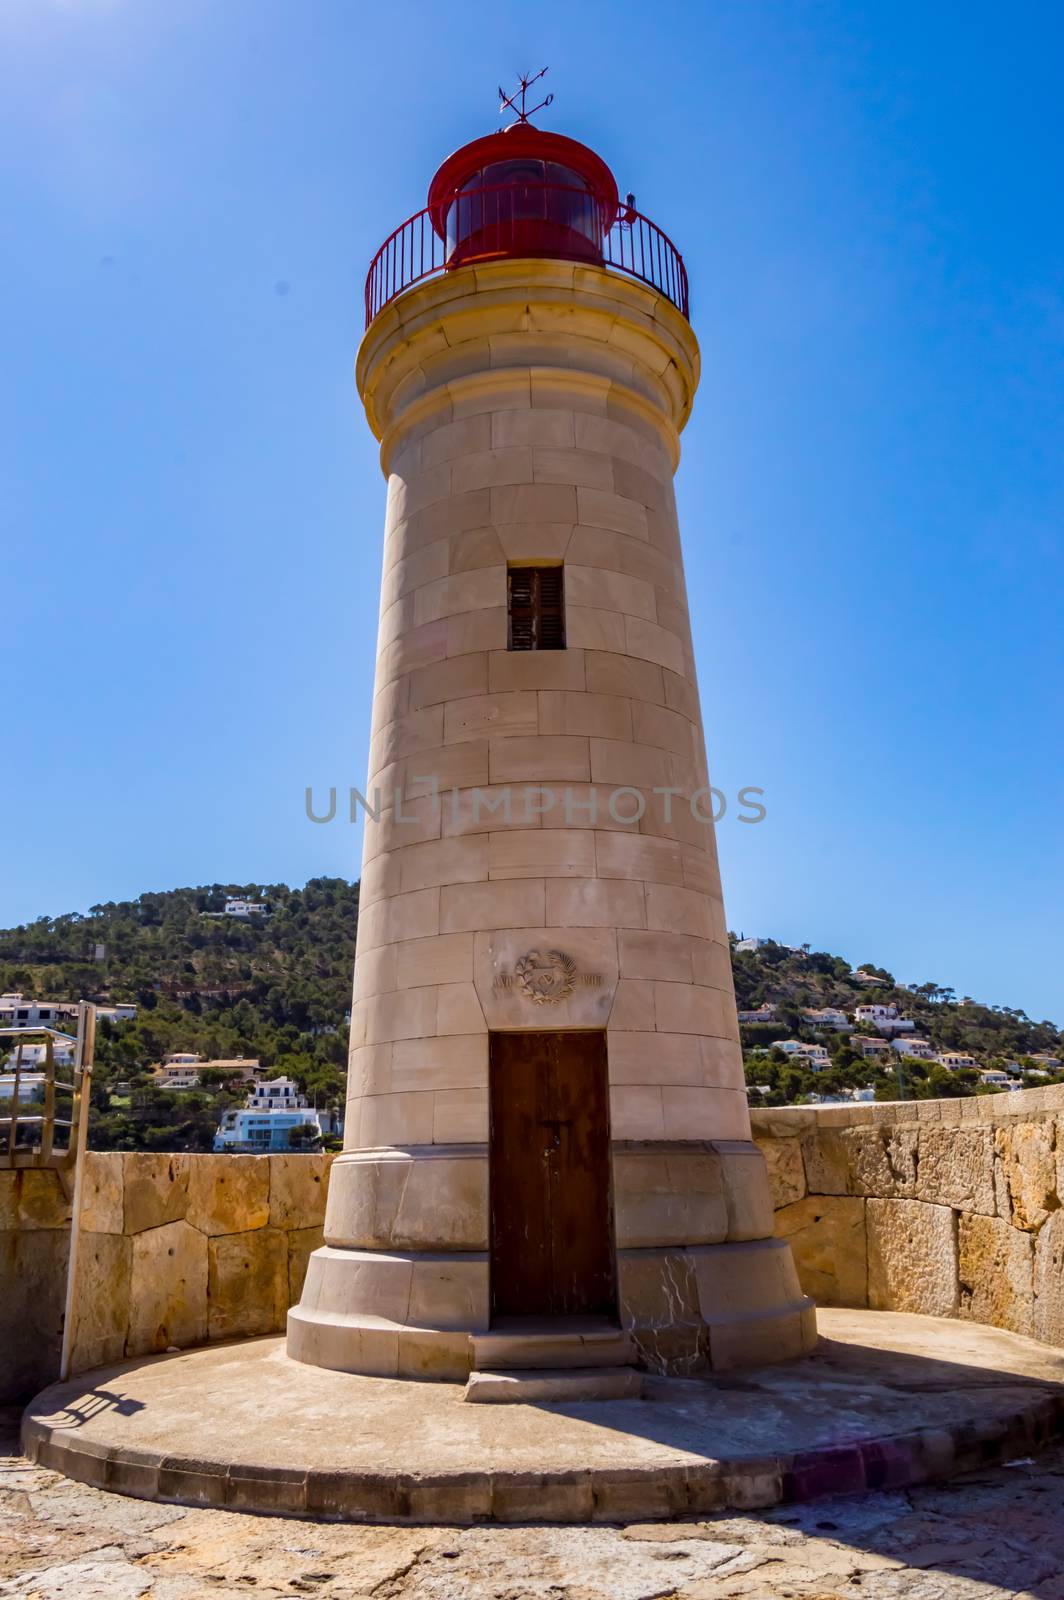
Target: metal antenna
x: 525, y: 81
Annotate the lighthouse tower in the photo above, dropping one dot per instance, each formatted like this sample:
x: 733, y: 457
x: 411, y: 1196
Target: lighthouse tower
x: 548, y: 1157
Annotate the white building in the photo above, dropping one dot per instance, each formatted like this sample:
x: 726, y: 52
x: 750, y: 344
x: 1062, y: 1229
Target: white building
x: 868, y: 1047
x: 765, y: 1013
x: 887, y: 1019
x: 956, y: 1060
x: 814, y: 1056
x: 245, y: 908
x: 183, y: 1070
x: 266, y: 1122
x: 997, y: 1079
x: 1046, y: 1062
x: 914, y: 1047
x: 30, y: 1087
x: 33, y: 1055
x: 16, y: 1011
x: 829, y: 1018
x: 867, y: 978
x: 752, y: 945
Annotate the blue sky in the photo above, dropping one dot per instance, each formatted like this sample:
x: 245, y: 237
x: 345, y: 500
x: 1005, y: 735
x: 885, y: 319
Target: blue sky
x: 867, y: 198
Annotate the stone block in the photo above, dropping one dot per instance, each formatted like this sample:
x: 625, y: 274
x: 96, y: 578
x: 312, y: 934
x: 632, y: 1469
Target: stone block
x: 786, y: 1170
x: 228, y: 1193
x: 657, y: 1289
x: 957, y: 1168
x: 247, y: 1284
x: 1048, y: 1319
x: 1026, y: 1157
x: 912, y: 1257
x: 746, y: 1191
x: 302, y: 1242
x: 168, y: 1288
x: 155, y: 1191
x: 449, y: 1291
x: 827, y: 1237
x: 41, y: 1200
x: 668, y: 1196
x: 33, y: 1263
x: 298, y: 1187
x: 102, y: 1307
x: 995, y: 1268
x: 102, y: 1192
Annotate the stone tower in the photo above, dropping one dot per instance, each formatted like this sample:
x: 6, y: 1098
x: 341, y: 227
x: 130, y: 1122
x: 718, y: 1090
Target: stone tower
x: 547, y: 1131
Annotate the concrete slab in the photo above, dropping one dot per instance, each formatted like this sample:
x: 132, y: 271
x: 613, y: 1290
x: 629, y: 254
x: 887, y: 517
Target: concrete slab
x: 886, y: 1401
x: 530, y: 1385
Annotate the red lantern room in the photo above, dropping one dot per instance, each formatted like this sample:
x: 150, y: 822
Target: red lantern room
x: 523, y: 192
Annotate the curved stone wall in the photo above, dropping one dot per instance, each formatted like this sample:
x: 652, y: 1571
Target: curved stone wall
x: 947, y: 1207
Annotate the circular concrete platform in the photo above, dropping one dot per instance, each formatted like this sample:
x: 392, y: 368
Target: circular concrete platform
x: 887, y: 1400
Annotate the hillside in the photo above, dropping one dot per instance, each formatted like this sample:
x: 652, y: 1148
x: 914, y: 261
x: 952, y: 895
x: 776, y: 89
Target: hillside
x: 268, y: 987
x: 278, y: 988
x: 793, y: 980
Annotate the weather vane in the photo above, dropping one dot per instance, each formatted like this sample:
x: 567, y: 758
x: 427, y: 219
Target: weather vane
x: 525, y: 82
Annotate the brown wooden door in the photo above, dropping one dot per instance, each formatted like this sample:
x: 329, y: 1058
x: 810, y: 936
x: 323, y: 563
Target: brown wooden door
x: 551, y: 1233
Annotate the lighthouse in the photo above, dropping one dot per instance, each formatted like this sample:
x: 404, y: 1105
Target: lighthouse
x: 547, y: 1159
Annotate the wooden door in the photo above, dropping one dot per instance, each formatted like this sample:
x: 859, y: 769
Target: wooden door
x: 551, y: 1226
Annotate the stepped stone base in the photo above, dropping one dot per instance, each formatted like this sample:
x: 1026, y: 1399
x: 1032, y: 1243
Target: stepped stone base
x: 887, y: 1400
x: 532, y: 1385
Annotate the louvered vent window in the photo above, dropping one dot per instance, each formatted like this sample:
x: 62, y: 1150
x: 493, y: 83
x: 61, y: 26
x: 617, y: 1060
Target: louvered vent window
x: 537, y: 608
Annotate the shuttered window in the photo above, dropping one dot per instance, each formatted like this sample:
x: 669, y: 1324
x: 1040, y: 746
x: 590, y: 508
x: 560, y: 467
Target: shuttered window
x: 536, y: 599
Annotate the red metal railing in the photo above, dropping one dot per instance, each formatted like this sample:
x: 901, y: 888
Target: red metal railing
x: 525, y: 219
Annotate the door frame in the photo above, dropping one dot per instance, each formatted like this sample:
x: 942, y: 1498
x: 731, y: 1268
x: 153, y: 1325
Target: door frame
x: 613, y: 1314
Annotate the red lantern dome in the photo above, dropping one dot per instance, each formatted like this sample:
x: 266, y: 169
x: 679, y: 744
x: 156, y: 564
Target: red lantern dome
x: 523, y: 192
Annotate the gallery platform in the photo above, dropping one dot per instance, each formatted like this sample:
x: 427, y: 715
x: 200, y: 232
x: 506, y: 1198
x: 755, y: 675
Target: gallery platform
x: 886, y: 1400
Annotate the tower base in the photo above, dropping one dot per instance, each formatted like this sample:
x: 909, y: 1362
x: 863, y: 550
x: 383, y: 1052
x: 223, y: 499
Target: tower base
x: 700, y: 1283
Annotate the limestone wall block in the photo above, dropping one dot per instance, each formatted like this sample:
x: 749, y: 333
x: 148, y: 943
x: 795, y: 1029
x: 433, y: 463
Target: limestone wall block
x: 476, y: 547
x: 476, y: 630
x: 539, y: 853
x: 455, y: 766
x: 641, y: 1056
x: 405, y: 916
x: 391, y: 1201
x: 529, y: 502
x: 302, y: 1242
x: 155, y: 1190
x: 588, y: 1005
x: 247, y: 1283
x: 449, y: 1291
x: 632, y: 855
x: 786, y: 1171
x: 458, y: 1061
x: 633, y: 1008
x: 500, y: 903
x: 605, y: 550
x: 610, y: 673
x: 447, y: 958
x: 912, y: 1257
x: 1026, y: 1156
x: 704, y: 1113
x: 417, y: 730
x: 746, y: 1191
x: 536, y: 669
x: 604, y: 589
x: 168, y: 1287
x: 102, y: 1309
x: 228, y: 1193
x: 592, y: 903
x: 37, y: 1199
x: 956, y: 1168
x: 567, y: 712
x: 401, y: 1014
x: 592, y: 628
x: 515, y: 713
x: 458, y: 1011
x: 828, y: 1237
x: 33, y: 1269
x: 622, y: 762
x: 636, y: 1110
x: 539, y: 759
x: 1048, y: 1316
x: 552, y: 427
x: 448, y: 680
x: 298, y: 1185
x: 682, y: 911
x: 605, y: 508
x: 376, y: 971
x: 654, y: 643
x: 996, y: 1268
x: 465, y: 436
x: 669, y: 1195
x: 102, y: 1209
x: 460, y: 1116
x: 689, y: 1008
x: 740, y: 1280
x: 396, y: 1118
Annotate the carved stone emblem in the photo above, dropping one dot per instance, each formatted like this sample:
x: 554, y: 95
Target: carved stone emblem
x: 545, y: 977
